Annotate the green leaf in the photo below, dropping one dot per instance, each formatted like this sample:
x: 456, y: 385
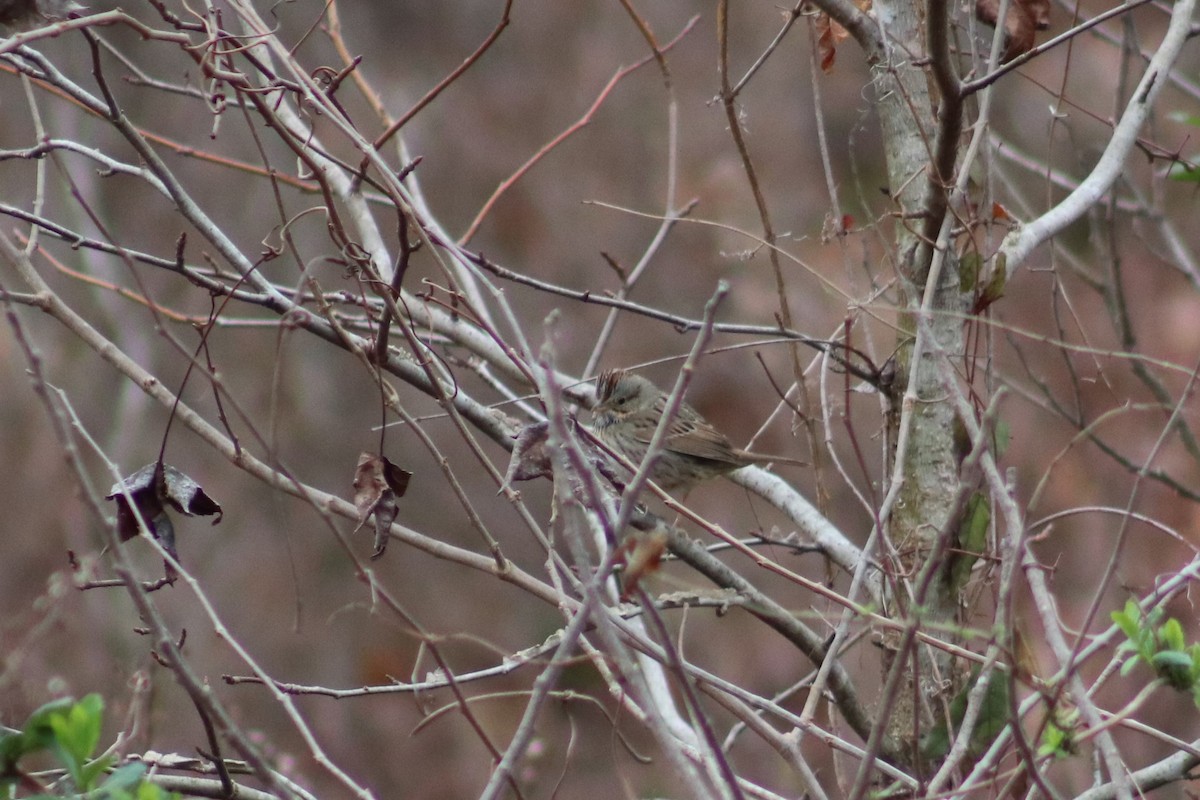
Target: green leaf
x: 1164, y: 648
x: 38, y: 734
x: 1172, y: 659
x: 994, y: 289
x: 1185, y: 118
x: 1129, y: 620
x: 935, y: 744
x: 76, y: 733
x: 13, y: 745
x: 972, y: 539
x: 152, y: 791
x: 1171, y: 634
x: 993, y: 716
x: 125, y: 778
x: 1001, y: 437
x: 1056, y: 742
x: 1175, y: 668
x: 972, y: 536
x: 90, y: 773
x: 1183, y: 173
x: 1059, y: 737
x: 38, y: 730
x: 968, y: 271
x: 78, y: 730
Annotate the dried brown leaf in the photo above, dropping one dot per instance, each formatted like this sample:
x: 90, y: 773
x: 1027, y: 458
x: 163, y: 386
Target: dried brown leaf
x: 645, y: 552
x: 829, y: 35
x: 378, y: 483
x: 1024, y: 17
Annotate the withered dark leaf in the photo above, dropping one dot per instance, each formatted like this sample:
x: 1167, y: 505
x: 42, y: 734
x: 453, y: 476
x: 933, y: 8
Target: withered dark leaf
x: 164, y: 531
x: 377, y: 485
x: 397, y: 478
x: 151, y: 498
x: 177, y: 489
x: 385, y: 514
x: 188, y: 497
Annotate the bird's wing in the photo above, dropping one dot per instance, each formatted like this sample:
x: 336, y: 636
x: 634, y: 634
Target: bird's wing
x: 701, y: 440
